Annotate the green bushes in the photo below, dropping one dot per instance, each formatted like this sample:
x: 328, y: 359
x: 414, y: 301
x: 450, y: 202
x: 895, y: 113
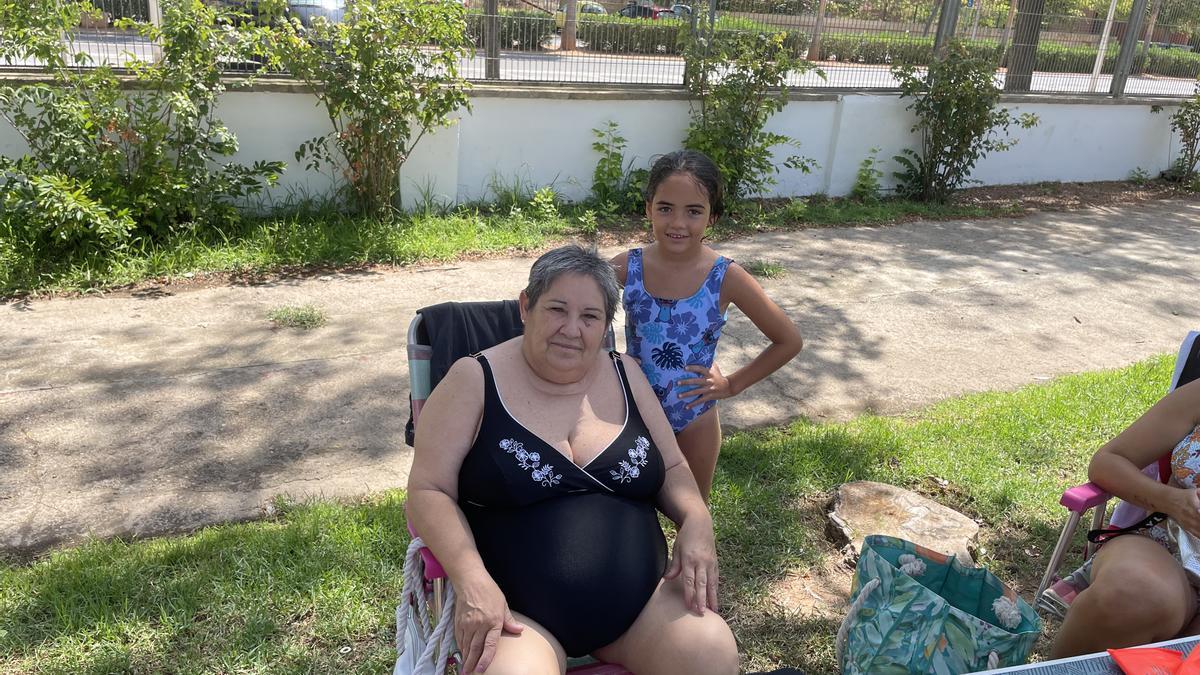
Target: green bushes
x: 1171, y: 62
x: 621, y: 35
x: 519, y: 29
x: 897, y: 49
x: 108, y: 164
x: 739, y: 81
x: 955, y: 102
x: 382, y: 89
x: 1186, y: 123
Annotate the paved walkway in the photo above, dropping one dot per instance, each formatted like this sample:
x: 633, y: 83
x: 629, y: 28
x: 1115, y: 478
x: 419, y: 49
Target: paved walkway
x: 169, y: 409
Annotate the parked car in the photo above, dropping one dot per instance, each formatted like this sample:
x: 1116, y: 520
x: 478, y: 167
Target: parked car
x: 637, y: 10
x: 581, y: 8
x: 305, y: 10
x: 308, y: 10
x: 680, y: 11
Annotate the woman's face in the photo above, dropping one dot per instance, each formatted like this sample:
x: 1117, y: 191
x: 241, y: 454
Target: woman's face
x: 563, y: 331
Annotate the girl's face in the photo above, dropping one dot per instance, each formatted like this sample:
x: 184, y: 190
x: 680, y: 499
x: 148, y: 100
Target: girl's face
x: 679, y: 213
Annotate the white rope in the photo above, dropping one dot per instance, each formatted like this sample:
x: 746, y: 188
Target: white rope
x: 993, y: 661
x: 851, y: 615
x: 437, y: 641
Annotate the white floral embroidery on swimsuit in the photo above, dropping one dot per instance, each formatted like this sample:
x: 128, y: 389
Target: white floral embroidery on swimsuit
x: 531, y: 460
x: 633, y: 467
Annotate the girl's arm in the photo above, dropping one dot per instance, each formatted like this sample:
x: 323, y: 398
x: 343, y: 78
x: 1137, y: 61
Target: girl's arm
x: 742, y: 290
x: 444, y: 435
x: 694, y: 557
x: 1117, y: 466
x: 620, y: 263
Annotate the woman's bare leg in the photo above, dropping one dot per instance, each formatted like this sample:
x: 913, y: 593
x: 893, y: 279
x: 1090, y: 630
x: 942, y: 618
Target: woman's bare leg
x: 1138, y: 594
x: 534, y: 652
x: 667, y: 639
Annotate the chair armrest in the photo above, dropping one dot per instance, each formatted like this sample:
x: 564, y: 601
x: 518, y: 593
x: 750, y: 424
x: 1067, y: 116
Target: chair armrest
x: 433, y: 568
x: 1083, y: 497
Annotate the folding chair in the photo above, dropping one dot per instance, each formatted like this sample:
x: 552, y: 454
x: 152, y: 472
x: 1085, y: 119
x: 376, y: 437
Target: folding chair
x: 1081, y: 498
x: 465, y: 328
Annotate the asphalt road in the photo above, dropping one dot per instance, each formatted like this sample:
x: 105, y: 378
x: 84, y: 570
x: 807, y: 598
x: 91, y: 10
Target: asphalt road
x: 118, y: 49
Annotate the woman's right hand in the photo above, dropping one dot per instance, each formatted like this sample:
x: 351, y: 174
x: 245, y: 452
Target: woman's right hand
x: 480, y: 614
x: 1185, y: 509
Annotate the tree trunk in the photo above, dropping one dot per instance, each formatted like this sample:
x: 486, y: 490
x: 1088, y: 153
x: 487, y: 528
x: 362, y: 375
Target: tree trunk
x: 1008, y: 26
x: 814, y: 47
x: 1140, y: 67
x: 1024, y: 48
x: 975, y: 20
x: 932, y: 13
x: 569, y: 26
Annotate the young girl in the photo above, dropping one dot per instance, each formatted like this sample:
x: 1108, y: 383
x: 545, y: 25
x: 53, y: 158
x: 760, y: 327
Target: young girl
x: 676, y: 294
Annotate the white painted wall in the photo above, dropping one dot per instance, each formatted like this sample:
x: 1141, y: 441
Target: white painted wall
x: 547, y: 141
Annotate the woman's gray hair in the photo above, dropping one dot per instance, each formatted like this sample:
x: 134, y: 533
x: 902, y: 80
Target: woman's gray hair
x: 574, y: 259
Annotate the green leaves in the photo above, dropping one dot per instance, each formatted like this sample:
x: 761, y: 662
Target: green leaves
x: 109, y: 164
x: 741, y: 80
x: 387, y: 74
x: 615, y: 189
x: 957, y: 118
x: 1186, y: 123
x: 62, y: 209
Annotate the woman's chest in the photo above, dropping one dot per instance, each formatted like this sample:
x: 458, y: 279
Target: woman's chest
x: 1185, y: 460
x: 577, y: 428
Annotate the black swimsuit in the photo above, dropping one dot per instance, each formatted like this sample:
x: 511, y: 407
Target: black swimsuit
x: 577, y: 549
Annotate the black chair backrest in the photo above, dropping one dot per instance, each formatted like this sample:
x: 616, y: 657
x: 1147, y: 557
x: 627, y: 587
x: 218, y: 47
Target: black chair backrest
x: 458, y: 329
x: 1191, y: 365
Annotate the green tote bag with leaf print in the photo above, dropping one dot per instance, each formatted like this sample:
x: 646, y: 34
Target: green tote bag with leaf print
x: 914, y: 610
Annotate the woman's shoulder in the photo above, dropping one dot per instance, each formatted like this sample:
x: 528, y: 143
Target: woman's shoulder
x: 463, y: 373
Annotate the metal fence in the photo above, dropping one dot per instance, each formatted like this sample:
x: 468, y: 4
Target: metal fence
x: 1118, y: 47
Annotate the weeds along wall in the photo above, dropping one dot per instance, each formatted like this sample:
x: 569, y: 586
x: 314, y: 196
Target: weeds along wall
x: 527, y: 138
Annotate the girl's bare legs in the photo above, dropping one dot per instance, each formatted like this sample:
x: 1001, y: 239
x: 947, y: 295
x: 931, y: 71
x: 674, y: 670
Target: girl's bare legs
x: 701, y: 443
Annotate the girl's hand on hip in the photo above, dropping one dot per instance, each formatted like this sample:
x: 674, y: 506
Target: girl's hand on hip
x: 694, y: 561
x: 711, y: 385
x: 480, y: 614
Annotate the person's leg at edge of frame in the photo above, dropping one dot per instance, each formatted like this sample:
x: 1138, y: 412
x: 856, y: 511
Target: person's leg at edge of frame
x: 700, y: 442
x: 668, y: 639
x: 534, y: 652
x: 1139, y: 594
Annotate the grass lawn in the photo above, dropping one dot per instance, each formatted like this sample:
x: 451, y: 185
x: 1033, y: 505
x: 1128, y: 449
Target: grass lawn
x: 327, y: 240
x: 314, y: 589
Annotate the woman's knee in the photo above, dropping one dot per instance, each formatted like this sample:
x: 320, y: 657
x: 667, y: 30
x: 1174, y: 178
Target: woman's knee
x: 702, y: 645
x: 1146, y: 602
x: 525, y: 662
x: 533, y: 652
x: 1140, y: 583
x: 717, y: 653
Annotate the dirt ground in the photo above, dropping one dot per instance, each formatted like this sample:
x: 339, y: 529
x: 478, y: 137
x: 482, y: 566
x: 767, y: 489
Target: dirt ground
x: 1031, y: 198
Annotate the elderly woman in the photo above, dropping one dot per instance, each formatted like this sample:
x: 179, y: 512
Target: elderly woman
x: 540, y: 466
x: 1139, y: 592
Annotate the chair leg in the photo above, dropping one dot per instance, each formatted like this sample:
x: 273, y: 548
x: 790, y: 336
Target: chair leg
x: 1060, y: 550
x: 439, y: 588
x: 1097, y: 522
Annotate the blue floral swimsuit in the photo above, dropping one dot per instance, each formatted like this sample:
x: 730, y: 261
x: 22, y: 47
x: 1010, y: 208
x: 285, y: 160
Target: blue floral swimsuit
x: 666, y: 336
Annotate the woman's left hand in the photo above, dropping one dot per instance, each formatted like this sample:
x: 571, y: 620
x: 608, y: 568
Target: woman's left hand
x: 711, y: 385
x: 694, y: 560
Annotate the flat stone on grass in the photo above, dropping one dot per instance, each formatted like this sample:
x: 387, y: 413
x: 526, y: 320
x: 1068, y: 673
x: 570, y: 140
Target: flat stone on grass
x: 862, y: 508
